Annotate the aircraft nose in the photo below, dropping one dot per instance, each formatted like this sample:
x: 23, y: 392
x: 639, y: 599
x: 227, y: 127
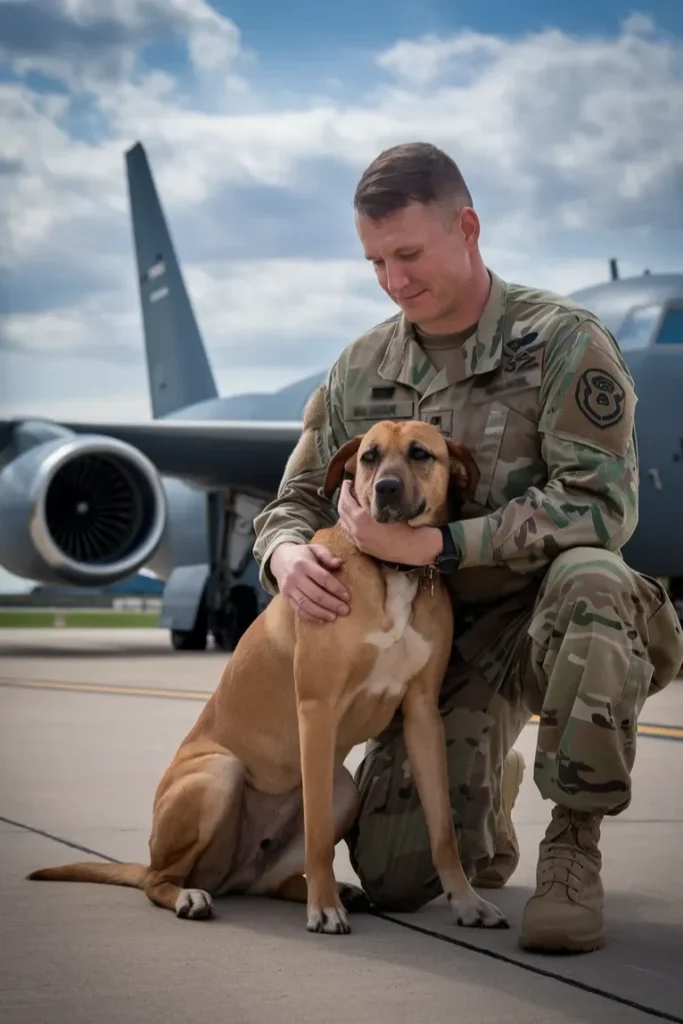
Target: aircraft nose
x: 388, y: 490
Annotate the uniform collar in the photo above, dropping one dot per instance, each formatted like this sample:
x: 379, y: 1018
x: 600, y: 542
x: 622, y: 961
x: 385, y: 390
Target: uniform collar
x: 406, y: 362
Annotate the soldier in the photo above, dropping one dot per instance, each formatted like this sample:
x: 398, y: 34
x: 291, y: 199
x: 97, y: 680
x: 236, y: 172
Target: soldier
x: 549, y: 618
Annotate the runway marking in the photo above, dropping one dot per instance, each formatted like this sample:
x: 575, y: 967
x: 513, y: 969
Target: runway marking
x: 114, y: 688
x: 660, y: 732
x: 651, y: 729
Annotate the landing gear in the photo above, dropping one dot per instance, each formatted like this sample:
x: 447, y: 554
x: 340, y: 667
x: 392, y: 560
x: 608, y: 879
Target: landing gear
x: 222, y: 597
x: 188, y: 640
x: 193, y: 639
x: 233, y: 619
x: 226, y: 624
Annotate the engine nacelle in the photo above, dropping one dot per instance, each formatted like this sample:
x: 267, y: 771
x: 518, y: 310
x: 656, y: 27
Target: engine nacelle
x: 82, y: 511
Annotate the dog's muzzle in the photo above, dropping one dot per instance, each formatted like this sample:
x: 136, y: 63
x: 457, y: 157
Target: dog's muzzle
x: 390, y: 502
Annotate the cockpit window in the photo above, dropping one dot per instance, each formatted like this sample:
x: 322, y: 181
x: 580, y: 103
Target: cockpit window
x: 671, y: 328
x: 636, y: 330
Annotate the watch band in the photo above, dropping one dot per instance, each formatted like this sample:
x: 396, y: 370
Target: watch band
x: 449, y: 559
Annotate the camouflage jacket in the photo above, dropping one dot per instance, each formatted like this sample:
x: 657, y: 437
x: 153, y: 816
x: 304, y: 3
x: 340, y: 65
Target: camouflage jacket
x: 541, y: 395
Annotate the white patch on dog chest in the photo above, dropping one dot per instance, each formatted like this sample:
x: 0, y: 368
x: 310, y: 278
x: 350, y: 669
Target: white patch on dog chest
x: 402, y: 651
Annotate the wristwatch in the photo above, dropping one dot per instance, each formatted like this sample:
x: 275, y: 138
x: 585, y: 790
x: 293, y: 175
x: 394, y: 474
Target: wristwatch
x: 449, y: 559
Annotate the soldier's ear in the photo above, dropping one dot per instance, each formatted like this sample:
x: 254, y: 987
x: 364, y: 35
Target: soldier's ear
x: 344, y: 461
x: 464, y: 469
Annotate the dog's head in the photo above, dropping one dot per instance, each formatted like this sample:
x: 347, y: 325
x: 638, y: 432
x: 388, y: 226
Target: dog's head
x: 405, y: 471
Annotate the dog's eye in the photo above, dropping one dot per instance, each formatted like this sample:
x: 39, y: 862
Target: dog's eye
x: 369, y: 456
x: 419, y: 454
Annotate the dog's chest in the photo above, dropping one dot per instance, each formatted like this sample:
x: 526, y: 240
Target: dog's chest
x: 401, y: 650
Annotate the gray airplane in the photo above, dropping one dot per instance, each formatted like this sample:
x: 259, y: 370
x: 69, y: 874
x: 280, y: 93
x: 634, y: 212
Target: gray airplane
x: 89, y: 504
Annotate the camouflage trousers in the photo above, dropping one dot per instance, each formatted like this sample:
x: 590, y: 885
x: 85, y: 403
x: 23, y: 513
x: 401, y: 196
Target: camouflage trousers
x: 583, y: 649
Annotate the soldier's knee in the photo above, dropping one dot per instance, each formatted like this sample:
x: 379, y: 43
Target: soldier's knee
x: 394, y: 870
x: 589, y: 569
x: 587, y: 595
x: 592, y: 583
x: 397, y: 895
x: 388, y: 842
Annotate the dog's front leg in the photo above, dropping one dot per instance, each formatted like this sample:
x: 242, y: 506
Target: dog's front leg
x: 426, y: 747
x: 317, y: 732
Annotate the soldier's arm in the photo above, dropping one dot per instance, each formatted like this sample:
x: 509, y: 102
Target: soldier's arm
x: 299, y: 509
x: 588, y: 443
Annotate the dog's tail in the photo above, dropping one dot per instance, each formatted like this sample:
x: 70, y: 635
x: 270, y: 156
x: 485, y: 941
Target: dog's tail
x: 133, y: 875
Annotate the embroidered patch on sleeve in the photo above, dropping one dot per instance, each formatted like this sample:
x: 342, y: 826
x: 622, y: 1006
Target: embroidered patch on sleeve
x: 601, y: 397
x: 595, y: 405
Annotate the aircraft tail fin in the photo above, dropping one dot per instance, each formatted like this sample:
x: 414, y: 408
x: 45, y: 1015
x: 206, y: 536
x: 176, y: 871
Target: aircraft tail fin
x: 178, y: 367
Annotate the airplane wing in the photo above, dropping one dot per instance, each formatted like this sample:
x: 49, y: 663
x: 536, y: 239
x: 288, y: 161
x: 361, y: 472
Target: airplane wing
x: 238, y: 454
x: 244, y: 454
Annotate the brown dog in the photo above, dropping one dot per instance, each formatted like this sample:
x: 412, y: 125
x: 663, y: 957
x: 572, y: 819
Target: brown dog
x: 257, y: 793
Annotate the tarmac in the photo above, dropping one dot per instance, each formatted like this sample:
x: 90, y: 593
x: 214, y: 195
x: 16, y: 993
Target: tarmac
x: 89, y: 719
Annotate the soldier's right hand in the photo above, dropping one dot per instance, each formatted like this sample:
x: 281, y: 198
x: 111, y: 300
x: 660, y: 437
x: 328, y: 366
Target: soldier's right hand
x: 301, y: 571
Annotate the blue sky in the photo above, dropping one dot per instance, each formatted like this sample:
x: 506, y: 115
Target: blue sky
x: 308, y: 28
x: 258, y: 119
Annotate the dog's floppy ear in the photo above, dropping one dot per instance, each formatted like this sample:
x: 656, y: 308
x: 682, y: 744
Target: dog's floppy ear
x: 343, y: 461
x: 464, y: 469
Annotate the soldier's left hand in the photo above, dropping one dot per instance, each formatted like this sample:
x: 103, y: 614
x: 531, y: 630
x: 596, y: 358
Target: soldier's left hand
x: 392, y: 542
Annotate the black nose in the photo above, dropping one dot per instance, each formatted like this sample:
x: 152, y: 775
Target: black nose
x: 388, y: 489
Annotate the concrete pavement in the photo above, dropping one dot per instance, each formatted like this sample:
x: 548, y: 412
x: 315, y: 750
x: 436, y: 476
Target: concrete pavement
x: 88, y: 722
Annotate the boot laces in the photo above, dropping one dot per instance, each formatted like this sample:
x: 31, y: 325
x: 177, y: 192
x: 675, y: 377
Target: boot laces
x: 569, y: 849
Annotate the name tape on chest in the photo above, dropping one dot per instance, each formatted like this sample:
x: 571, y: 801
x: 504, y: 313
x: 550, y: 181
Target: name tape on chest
x: 383, y: 410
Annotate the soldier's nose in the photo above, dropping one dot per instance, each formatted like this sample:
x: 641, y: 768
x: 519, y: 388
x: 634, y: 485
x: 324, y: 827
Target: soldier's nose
x: 388, y: 489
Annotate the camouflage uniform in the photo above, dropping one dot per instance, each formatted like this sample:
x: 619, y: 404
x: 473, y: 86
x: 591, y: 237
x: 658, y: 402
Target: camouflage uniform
x: 549, y: 618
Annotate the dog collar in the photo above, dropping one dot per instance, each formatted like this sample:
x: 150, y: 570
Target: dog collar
x: 425, y: 573
x: 399, y: 566
x: 448, y: 561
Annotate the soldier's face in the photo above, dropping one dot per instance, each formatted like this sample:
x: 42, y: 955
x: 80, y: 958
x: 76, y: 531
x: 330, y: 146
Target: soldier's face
x: 422, y: 257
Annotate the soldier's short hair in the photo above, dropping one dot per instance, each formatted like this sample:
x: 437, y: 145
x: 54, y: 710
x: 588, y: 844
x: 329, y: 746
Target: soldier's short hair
x: 413, y: 172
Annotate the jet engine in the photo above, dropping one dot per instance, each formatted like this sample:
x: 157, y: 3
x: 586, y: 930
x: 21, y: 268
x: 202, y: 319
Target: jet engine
x: 83, y: 510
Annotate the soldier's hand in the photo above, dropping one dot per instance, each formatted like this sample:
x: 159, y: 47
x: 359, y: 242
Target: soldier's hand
x: 302, y: 575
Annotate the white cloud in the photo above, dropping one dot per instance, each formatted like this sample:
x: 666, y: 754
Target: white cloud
x: 87, y: 42
x: 290, y: 302
x: 570, y: 145
x: 260, y: 307
x: 422, y: 61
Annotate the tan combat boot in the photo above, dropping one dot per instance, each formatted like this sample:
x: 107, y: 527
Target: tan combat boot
x: 506, y: 857
x: 565, y: 912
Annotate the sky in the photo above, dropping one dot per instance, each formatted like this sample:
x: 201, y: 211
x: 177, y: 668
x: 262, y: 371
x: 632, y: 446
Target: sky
x: 258, y: 119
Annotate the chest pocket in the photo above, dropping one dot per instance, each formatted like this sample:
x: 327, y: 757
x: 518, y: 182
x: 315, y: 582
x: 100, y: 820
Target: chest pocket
x: 508, y: 456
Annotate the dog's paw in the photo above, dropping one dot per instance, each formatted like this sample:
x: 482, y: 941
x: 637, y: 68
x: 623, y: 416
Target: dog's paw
x: 194, y: 904
x: 353, y: 899
x: 330, y: 920
x: 474, y: 912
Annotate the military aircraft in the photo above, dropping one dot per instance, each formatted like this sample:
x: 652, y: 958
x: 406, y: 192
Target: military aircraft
x: 89, y: 504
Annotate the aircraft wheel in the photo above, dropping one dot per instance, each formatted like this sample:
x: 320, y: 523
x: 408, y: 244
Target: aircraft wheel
x: 235, y: 618
x: 187, y: 640
x: 192, y: 639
